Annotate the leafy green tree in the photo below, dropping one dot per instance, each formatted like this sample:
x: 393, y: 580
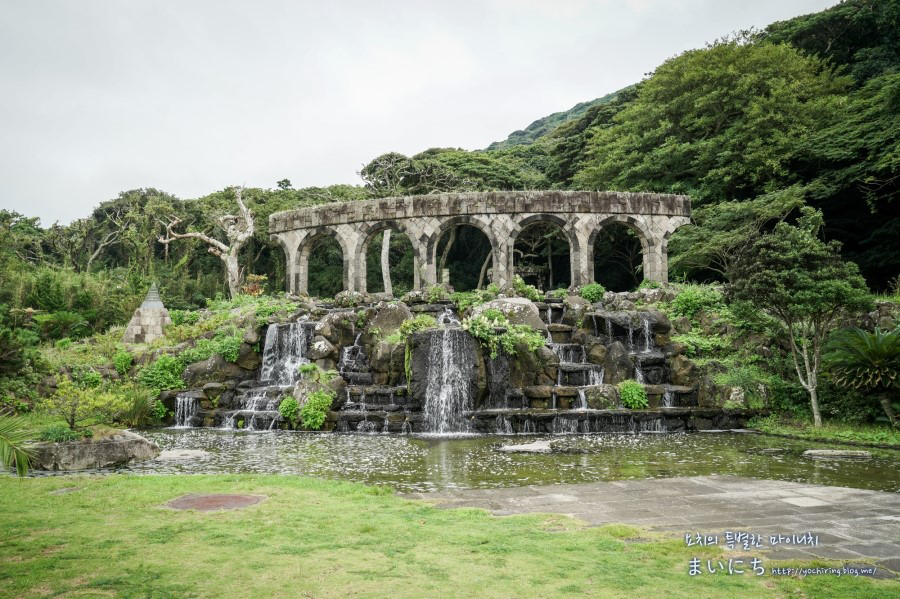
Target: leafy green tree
x: 863, y: 35
x: 720, y: 233
x: 868, y: 362
x: 721, y: 123
x: 803, y: 283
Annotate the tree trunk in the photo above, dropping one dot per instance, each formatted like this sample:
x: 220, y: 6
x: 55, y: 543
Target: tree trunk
x: 487, y: 260
x: 232, y: 273
x: 443, y: 263
x: 385, y: 263
x: 888, y: 410
x: 814, y: 402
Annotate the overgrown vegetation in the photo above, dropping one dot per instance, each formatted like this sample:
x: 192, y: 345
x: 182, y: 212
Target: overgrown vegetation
x: 633, y: 395
x: 314, y: 412
x: 492, y: 328
x: 592, y: 292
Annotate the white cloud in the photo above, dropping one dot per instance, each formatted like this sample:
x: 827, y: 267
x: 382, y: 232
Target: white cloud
x: 101, y: 96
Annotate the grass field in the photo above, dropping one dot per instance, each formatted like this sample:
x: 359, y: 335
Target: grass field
x: 313, y: 538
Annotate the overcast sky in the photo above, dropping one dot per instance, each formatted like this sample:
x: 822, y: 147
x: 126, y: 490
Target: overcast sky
x: 191, y: 96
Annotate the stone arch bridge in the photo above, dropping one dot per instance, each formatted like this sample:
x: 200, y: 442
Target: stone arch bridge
x: 501, y: 216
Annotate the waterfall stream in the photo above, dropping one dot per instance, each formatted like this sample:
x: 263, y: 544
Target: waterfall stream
x: 447, y: 394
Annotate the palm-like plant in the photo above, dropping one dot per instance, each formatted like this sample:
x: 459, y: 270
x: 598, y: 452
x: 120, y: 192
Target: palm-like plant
x: 14, y: 433
x: 867, y: 361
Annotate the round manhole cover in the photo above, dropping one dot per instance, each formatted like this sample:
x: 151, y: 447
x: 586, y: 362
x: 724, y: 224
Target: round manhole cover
x: 214, y: 501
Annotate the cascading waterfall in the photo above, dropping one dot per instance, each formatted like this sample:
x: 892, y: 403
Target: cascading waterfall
x: 648, y: 343
x: 447, y: 393
x: 668, y: 400
x: 502, y: 425
x: 185, y: 409
x: 284, y: 351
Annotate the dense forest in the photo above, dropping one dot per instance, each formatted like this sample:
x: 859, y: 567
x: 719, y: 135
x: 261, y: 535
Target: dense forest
x: 759, y: 127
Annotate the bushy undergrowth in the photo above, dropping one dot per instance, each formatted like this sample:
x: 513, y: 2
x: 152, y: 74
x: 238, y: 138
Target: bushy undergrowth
x: 315, y: 410
x: 493, y: 330
x: 592, y: 292
x: 289, y: 409
x: 525, y: 290
x: 466, y: 300
x: 633, y: 395
x: 691, y: 300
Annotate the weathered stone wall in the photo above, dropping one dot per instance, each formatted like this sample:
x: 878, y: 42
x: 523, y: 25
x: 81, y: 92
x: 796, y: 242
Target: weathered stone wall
x: 502, y: 216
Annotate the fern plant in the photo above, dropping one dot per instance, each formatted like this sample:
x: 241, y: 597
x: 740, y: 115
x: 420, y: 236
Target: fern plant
x: 14, y: 433
x: 868, y: 362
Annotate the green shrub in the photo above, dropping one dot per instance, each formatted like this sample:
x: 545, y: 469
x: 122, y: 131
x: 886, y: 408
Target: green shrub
x: 226, y: 343
x: 142, y: 407
x: 163, y: 374
x: 62, y: 324
x: 525, y: 290
x: 465, y: 300
x: 746, y: 376
x: 436, y: 293
x: 493, y: 330
x: 87, y: 378
x: 180, y: 317
x: 560, y: 293
x: 419, y: 323
x: 633, y: 395
x: 593, y: 292
x: 64, y: 343
x: 289, y: 410
x: 689, y: 302
x: 77, y: 404
x: 315, y: 410
x: 648, y: 284
x: 123, y: 360
x: 60, y: 433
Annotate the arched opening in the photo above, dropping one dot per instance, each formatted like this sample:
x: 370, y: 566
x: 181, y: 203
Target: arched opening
x: 543, y: 256
x: 463, y: 258
x: 618, y: 257
x: 325, y: 266
x: 390, y: 251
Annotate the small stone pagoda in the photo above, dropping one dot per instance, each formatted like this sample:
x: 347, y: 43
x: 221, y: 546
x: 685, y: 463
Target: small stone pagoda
x: 149, y: 320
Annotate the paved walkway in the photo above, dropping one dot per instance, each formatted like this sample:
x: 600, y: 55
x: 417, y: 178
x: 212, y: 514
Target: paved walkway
x: 851, y: 524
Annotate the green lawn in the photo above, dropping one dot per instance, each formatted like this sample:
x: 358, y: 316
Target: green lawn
x: 837, y: 432
x: 316, y: 538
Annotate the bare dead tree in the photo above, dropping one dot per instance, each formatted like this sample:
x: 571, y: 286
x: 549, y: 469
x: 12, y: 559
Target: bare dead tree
x: 238, y: 229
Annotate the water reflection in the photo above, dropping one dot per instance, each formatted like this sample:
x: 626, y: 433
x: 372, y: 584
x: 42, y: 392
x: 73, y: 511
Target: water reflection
x: 410, y: 463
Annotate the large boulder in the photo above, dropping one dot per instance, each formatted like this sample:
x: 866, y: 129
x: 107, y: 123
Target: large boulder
x: 602, y: 397
x: 683, y: 371
x: 576, y: 308
x: 518, y: 310
x: 338, y: 327
x: 321, y: 348
x: 215, y: 369
x: 119, y: 449
x: 527, y: 368
x: 386, y: 362
x: 248, y: 358
x: 618, y: 366
x: 388, y: 317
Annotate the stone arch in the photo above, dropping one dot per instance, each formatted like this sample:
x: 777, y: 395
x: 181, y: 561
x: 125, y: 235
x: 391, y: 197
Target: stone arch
x: 568, y: 231
x: 431, y: 245
x: 368, y: 231
x: 305, y: 248
x: 645, y: 236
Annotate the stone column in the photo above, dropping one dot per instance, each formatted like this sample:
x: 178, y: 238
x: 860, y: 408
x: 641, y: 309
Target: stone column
x: 582, y: 256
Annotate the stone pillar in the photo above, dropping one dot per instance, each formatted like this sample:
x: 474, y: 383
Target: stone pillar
x: 656, y: 264
x: 582, y: 256
x: 503, y: 268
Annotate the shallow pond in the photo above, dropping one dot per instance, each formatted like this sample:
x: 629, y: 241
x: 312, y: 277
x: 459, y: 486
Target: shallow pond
x: 417, y: 463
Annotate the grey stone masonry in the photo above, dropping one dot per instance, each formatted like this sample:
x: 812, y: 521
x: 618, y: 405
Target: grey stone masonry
x: 581, y: 215
x: 149, y: 319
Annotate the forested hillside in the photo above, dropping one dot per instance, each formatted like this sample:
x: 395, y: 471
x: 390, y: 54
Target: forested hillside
x: 800, y: 120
